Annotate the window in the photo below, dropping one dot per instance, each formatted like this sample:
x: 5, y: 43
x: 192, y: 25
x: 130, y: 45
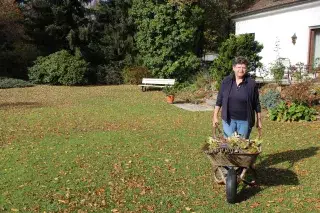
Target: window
x: 314, y: 48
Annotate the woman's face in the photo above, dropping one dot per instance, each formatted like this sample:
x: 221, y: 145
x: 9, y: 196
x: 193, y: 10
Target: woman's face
x: 240, y: 70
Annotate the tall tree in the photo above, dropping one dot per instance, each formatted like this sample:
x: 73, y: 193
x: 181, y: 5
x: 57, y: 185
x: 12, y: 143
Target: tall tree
x: 168, y: 36
x: 110, y: 39
x: 56, y: 25
x: 111, y: 33
x: 15, y: 54
x: 218, y: 25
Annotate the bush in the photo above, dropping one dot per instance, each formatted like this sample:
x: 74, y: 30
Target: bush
x: 110, y: 75
x: 190, y: 93
x: 271, y: 99
x: 300, y: 93
x: 242, y: 45
x: 277, y: 70
x: 134, y: 75
x: 13, y: 83
x: 293, y: 112
x: 59, y: 68
x: 203, y: 80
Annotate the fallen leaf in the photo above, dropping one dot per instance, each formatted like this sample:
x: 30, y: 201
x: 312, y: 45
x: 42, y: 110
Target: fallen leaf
x: 254, y: 205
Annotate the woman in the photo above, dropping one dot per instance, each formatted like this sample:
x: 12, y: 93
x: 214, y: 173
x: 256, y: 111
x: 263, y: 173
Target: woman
x: 239, y: 98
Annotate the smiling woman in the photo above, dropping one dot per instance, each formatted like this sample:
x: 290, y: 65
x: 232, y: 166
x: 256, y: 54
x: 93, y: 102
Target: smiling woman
x: 239, y: 99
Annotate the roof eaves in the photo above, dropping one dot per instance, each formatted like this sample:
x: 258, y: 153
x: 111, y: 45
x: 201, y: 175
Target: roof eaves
x: 253, y: 12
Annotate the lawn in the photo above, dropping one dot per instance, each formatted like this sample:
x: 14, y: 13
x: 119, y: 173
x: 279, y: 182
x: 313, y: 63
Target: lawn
x: 117, y: 149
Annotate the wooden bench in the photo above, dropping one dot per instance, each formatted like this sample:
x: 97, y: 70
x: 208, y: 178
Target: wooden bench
x: 155, y: 82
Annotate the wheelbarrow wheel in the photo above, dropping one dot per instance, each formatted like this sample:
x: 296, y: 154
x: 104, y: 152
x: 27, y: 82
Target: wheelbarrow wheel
x: 231, y: 185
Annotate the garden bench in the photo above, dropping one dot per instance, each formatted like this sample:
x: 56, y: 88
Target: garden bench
x: 155, y: 82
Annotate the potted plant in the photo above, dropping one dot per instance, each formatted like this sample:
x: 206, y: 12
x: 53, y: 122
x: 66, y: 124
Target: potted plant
x: 170, y: 91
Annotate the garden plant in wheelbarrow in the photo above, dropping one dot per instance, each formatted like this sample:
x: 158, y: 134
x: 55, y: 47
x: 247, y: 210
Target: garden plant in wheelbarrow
x: 231, y: 158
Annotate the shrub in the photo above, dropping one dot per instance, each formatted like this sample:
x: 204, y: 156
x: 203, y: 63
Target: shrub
x: 13, y: 83
x: 108, y: 74
x: 271, y: 99
x: 242, y: 45
x: 170, y: 90
x: 203, y: 80
x: 277, y: 70
x: 134, y: 75
x: 59, y: 68
x: 300, y: 93
x: 293, y: 112
x: 190, y: 93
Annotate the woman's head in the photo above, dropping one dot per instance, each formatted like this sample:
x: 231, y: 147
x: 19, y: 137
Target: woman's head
x: 239, y: 66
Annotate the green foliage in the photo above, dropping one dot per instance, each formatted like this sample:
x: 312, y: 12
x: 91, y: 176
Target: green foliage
x: 190, y: 93
x: 134, y: 74
x: 241, y: 45
x: 13, y: 83
x: 111, y: 35
x: 170, y: 90
x: 277, y: 70
x: 168, y: 37
x: 271, y: 99
x: 56, y: 25
x: 217, y: 21
x: 59, y: 68
x: 293, y: 112
x: 108, y: 74
x: 203, y: 80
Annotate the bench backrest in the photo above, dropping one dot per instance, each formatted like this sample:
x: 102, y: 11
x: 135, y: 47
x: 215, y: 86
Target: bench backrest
x: 160, y: 81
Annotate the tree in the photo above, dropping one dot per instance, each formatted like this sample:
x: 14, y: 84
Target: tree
x: 56, y: 25
x: 15, y: 54
x: 242, y: 45
x: 110, y: 39
x: 168, y: 37
x: 217, y: 16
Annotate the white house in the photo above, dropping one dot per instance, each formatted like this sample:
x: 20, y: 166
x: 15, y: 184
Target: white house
x: 279, y: 22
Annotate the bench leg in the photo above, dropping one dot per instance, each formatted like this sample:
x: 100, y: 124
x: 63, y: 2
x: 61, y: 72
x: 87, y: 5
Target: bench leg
x: 144, y: 89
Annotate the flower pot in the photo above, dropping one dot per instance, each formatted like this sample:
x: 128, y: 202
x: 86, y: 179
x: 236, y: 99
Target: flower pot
x: 170, y: 99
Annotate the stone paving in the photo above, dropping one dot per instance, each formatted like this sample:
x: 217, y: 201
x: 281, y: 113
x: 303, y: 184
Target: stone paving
x: 208, y: 105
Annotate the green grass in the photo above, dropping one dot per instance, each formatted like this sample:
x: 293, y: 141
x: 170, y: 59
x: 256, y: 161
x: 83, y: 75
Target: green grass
x: 103, y: 149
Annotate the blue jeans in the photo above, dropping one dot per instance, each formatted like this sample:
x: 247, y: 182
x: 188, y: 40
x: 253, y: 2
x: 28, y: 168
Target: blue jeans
x: 241, y: 127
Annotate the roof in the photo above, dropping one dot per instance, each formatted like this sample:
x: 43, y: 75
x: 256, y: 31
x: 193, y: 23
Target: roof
x: 267, y: 5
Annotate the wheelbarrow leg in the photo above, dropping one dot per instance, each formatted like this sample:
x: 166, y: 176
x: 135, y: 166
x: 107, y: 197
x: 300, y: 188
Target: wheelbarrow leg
x: 218, y: 175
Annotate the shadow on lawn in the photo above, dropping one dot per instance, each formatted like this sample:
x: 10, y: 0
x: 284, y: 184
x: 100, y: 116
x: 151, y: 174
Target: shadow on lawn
x: 269, y: 176
x: 20, y: 105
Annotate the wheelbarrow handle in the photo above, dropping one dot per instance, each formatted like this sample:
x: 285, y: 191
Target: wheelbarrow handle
x: 214, y: 133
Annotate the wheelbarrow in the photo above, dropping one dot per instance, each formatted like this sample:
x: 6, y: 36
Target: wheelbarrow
x: 230, y: 168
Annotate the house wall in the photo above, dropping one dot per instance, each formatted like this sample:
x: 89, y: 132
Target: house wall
x: 279, y: 25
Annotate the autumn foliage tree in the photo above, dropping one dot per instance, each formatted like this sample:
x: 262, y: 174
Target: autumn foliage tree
x: 15, y: 53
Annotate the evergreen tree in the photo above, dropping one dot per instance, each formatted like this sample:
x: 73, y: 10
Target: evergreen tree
x: 56, y: 24
x: 111, y: 40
